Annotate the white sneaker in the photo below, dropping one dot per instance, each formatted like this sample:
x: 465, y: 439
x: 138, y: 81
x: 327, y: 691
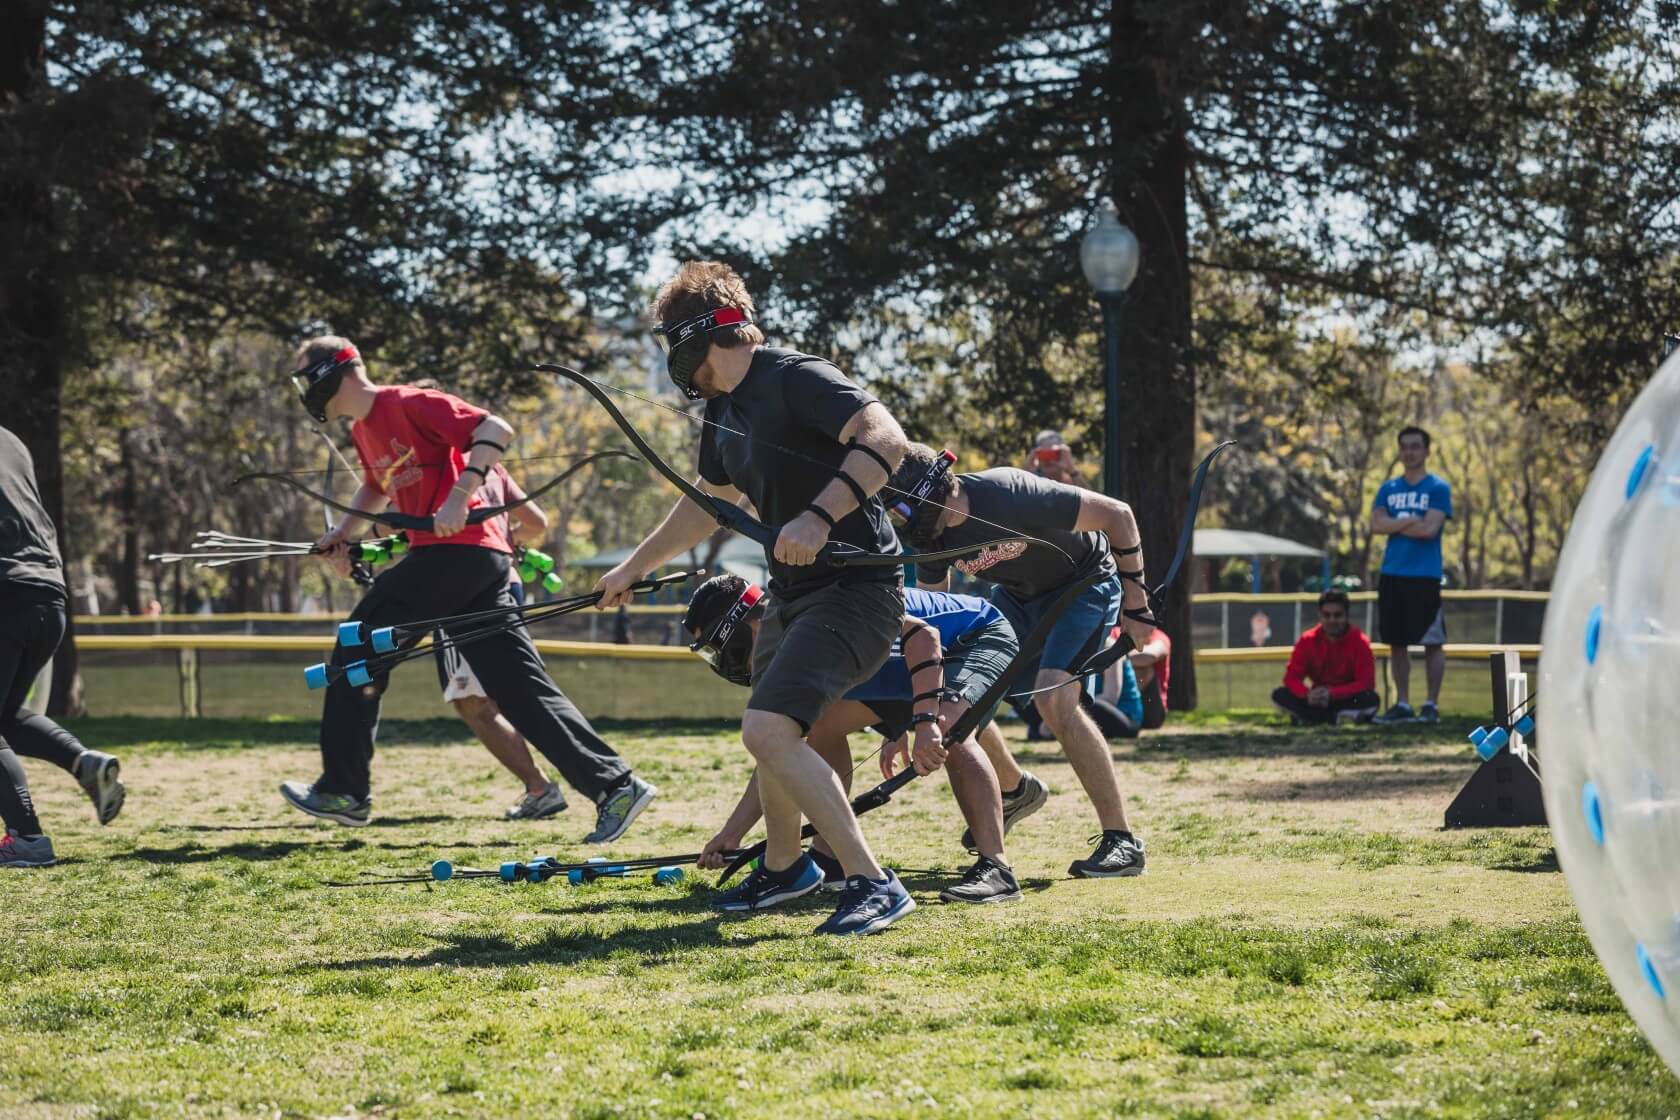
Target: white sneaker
x: 536, y: 807
x: 1354, y: 715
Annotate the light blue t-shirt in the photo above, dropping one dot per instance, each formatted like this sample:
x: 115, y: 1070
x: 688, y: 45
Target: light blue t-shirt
x: 1409, y: 556
x: 1130, y: 699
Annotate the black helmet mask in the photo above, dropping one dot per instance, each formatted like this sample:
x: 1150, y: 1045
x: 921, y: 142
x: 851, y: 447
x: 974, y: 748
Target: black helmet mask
x: 687, y: 343
x: 727, y: 646
x: 921, y: 500
x: 318, y: 382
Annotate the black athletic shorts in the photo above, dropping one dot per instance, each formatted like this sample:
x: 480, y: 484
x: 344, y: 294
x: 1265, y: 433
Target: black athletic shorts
x: 1409, y: 611
x: 972, y: 665
x: 812, y: 650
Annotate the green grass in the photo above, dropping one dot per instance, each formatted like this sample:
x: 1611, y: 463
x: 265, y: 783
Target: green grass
x: 1308, y: 941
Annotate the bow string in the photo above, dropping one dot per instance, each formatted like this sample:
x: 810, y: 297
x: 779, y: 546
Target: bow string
x: 423, y: 523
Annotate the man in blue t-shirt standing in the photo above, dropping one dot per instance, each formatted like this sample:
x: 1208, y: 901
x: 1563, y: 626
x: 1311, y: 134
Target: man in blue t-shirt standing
x: 1412, y: 509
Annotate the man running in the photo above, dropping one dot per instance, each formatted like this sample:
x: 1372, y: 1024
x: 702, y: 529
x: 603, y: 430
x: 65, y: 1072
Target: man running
x: 33, y: 605
x: 430, y: 453
x: 965, y: 509
x: 809, y: 449
x: 951, y: 649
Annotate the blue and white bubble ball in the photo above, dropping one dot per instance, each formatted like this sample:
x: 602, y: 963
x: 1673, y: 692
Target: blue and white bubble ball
x: 1608, y: 706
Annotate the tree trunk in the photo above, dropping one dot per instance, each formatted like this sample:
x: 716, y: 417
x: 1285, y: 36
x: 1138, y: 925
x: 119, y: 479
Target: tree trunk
x: 32, y: 305
x: 1149, y: 161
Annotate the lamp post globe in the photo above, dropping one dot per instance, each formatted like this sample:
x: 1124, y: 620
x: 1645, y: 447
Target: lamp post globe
x: 1108, y: 256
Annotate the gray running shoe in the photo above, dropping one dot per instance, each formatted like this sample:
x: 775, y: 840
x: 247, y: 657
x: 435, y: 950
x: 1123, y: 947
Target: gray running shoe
x: 15, y: 851
x: 1400, y: 713
x: 340, y: 807
x: 615, y: 811
x: 1028, y: 799
x: 97, y: 773
x: 987, y: 881
x: 1118, y: 856
x: 536, y: 807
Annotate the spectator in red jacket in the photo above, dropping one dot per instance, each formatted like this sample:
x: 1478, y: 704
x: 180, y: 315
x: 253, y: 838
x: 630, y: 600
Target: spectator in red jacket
x: 1335, y: 657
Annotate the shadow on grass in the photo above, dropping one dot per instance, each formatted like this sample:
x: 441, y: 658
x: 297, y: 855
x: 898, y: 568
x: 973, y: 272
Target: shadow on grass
x: 255, y: 852
x: 1544, y: 863
x: 1352, y: 784
x: 564, y: 946
x: 197, y: 853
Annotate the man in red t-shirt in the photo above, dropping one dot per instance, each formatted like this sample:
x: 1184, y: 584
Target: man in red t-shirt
x: 429, y: 454
x: 1335, y: 656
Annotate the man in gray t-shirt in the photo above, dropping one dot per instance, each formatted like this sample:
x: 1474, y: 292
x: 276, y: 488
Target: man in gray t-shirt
x: 1092, y: 535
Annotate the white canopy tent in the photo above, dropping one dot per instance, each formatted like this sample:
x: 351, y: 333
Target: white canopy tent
x: 1241, y: 542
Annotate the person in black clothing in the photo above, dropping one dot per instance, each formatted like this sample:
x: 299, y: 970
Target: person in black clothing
x: 809, y: 449
x: 33, y: 620
x: 1092, y: 532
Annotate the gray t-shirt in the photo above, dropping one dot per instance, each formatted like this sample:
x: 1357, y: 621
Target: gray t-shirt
x: 28, y: 542
x: 1023, y: 503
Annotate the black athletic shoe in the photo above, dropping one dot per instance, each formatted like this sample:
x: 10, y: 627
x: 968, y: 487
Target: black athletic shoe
x: 1119, y: 855
x: 763, y: 889
x: 1028, y: 799
x: 834, y: 876
x: 987, y: 881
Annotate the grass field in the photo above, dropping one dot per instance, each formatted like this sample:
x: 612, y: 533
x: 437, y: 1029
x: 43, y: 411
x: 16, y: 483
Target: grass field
x: 1308, y: 942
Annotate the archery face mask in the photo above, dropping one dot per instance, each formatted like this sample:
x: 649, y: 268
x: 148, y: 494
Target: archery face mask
x: 318, y: 383
x: 916, y: 512
x: 687, y: 343
x: 728, y: 646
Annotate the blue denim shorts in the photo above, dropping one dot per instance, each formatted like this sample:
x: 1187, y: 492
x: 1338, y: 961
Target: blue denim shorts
x: 1079, y: 633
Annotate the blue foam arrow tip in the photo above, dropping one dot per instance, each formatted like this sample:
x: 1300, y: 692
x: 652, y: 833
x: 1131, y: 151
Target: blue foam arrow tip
x: 350, y: 633
x: 357, y: 672
x: 315, y: 676
x: 384, y: 641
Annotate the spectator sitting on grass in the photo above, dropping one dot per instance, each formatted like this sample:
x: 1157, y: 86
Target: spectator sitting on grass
x: 1336, y: 657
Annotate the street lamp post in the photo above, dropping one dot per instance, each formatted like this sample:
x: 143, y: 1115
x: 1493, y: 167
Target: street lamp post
x: 1109, y: 258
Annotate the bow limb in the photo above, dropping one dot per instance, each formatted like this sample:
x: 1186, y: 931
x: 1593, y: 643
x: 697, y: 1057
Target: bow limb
x: 485, y: 513
x: 724, y: 513
x: 395, y: 520
x: 1188, y: 531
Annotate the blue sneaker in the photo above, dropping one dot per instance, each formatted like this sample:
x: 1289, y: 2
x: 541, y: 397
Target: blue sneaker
x: 869, y: 906
x: 763, y: 889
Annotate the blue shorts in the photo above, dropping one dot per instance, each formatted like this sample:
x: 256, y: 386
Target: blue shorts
x: 1077, y: 635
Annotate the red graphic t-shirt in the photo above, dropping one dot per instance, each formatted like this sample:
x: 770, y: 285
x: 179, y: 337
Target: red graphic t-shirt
x: 411, y: 447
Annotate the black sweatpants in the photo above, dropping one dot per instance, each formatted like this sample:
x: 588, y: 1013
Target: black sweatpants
x: 455, y: 579
x: 1306, y: 713
x: 32, y: 624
